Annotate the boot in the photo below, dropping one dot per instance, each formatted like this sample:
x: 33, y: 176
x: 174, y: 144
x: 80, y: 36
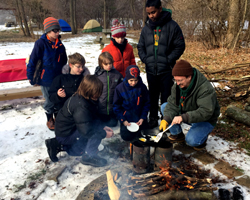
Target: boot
x: 50, y: 122
x: 95, y: 161
x: 53, y: 148
x: 177, y: 138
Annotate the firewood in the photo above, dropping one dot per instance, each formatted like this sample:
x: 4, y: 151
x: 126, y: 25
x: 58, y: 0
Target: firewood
x: 151, y: 192
x: 113, y: 191
x: 238, y: 114
x: 207, y: 180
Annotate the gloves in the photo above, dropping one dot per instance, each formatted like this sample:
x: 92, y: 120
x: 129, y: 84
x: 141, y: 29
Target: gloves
x: 163, y: 125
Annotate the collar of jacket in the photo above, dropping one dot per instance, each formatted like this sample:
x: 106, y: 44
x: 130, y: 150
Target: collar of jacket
x: 125, y: 81
x: 99, y: 70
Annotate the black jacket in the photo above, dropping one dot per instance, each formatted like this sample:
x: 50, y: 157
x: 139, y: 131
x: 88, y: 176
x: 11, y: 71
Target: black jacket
x: 110, y: 80
x: 171, y: 45
x: 69, y: 83
x: 81, y: 114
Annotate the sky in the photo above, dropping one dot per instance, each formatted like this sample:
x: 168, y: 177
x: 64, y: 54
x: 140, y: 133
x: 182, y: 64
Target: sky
x: 23, y: 131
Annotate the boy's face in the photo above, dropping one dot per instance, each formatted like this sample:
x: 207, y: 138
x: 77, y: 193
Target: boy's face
x: 76, y: 69
x: 132, y: 82
x: 119, y: 40
x: 107, y: 65
x: 153, y: 12
x: 54, y: 34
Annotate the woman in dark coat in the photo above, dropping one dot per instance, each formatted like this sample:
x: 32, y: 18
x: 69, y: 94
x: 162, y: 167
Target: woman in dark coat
x: 78, y: 130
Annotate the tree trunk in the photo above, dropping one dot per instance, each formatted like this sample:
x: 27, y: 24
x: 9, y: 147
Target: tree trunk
x: 75, y: 21
x: 132, y: 7
x: 24, y: 19
x: 233, y: 22
x: 238, y: 114
x: 19, y: 17
x: 144, y: 14
x: 72, y: 13
x: 242, y: 24
x: 104, y: 15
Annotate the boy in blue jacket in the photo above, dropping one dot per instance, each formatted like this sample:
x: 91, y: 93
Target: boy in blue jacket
x: 46, y: 61
x: 131, y: 103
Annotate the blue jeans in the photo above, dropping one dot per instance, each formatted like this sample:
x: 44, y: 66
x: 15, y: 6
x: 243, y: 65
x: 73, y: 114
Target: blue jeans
x: 48, y: 105
x: 76, y: 144
x: 196, y: 135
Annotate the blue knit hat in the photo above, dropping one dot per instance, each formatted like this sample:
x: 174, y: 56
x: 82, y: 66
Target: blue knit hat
x: 132, y: 71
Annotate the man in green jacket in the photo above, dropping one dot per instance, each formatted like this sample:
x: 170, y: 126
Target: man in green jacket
x: 193, y: 100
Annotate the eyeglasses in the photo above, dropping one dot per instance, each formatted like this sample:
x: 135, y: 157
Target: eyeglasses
x: 178, y: 81
x: 79, y: 67
x: 56, y: 30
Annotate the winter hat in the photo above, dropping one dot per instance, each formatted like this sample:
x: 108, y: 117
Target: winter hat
x: 51, y: 23
x: 118, y: 29
x: 182, y: 68
x: 132, y: 71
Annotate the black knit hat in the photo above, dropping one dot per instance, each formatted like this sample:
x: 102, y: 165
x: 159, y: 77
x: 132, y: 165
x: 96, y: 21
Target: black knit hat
x: 182, y: 68
x: 132, y: 71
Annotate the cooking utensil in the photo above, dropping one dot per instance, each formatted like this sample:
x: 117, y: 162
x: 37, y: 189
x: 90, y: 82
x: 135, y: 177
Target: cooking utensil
x: 159, y: 135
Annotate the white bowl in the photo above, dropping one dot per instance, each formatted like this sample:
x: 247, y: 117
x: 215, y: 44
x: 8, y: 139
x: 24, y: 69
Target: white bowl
x: 133, y: 127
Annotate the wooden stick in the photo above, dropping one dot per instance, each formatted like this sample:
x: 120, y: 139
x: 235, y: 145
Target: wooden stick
x: 113, y: 191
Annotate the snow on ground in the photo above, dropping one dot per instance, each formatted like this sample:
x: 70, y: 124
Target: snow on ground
x: 23, y: 131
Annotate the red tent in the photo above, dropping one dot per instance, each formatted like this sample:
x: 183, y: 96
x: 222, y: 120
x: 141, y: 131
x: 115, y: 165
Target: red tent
x: 12, y: 70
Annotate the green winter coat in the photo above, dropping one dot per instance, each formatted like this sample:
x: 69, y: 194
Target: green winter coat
x: 200, y: 105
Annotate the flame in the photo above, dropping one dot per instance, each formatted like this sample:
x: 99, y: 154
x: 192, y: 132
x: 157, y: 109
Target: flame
x: 189, y: 186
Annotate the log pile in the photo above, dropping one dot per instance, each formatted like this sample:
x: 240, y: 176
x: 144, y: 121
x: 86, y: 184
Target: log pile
x: 170, y: 179
x: 169, y: 182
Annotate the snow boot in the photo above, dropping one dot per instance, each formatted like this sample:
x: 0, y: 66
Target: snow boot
x: 53, y: 148
x: 95, y: 161
x: 50, y: 121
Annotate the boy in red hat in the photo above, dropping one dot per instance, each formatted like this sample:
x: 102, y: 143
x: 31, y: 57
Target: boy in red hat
x: 119, y: 48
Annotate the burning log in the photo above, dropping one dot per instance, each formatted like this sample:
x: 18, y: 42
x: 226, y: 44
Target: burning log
x: 113, y: 191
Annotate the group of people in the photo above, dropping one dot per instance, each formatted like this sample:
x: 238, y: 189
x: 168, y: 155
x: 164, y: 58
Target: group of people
x: 82, y: 108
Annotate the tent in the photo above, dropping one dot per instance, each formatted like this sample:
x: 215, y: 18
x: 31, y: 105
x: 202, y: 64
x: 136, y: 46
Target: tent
x: 92, y: 26
x: 12, y: 70
x: 65, y: 27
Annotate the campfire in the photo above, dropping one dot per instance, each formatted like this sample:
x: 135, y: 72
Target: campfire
x: 186, y: 182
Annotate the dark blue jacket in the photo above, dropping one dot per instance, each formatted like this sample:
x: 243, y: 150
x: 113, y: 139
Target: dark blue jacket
x: 131, y: 103
x: 53, y: 59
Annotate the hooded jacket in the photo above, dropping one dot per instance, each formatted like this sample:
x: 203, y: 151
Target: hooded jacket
x: 121, y: 61
x: 81, y: 114
x: 53, y: 57
x: 110, y: 80
x: 200, y: 105
x: 171, y: 45
x: 131, y: 103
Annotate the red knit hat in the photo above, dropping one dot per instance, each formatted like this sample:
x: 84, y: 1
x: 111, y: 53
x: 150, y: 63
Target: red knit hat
x: 118, y: 30
x: 51, y: 23
x: 182, y: 68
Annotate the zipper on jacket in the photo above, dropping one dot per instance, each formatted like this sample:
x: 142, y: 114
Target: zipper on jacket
x: 108, y: 93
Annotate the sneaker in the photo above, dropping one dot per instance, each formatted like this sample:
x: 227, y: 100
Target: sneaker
x: 201, y: 147
x: 153, y: 122
x: 95, y: 161
x: 53, y: 147
x: 177, y: 138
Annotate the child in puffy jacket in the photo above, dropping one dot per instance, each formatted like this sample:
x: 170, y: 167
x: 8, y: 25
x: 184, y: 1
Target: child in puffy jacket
x: 131, y: 103
x: 110, y: 78
x: 119, y: 48
x: 65, y: 85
